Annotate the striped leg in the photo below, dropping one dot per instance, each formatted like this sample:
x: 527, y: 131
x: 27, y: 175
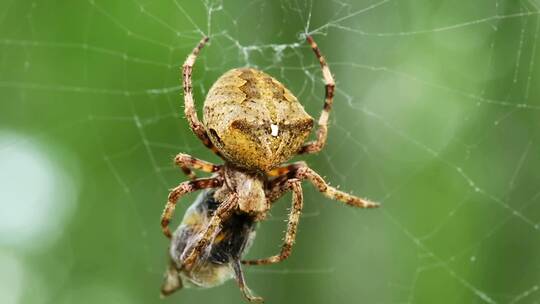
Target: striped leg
x: 188, y: 162
x: 322, y: 132
x: 191, y: 254
x: 292, y: 226
x: 301, y: 171
x: 239, y: 274
x: 189, y: 105
x: 179, y: 191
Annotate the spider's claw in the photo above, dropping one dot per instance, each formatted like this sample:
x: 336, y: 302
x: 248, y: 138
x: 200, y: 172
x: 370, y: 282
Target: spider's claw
x: 250, y: 297
x: 253, y: 299
x: 362, y: 203
x: 372, y: 205
x: 302, y: 35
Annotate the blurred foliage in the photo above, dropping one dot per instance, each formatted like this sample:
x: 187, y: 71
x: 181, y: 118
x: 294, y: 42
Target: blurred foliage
x: 436, y: 116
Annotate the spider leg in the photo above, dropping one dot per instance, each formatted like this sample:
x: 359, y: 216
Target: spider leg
x: 322, y: 132
x: 239, y: 274
x: 301, y: 171
x: 188, y: 162
x: 292, y: 226
x: 189, y: 105
x: 179, y: 191
x: 191, y: 254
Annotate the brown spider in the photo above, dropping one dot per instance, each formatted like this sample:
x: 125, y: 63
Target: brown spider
x: 254, y: 124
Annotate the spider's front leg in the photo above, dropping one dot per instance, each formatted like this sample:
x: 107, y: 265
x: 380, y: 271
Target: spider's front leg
x: 222, y: 212
x: 330, y: 86
x: 183, y: 189
x: 292, y: 226
x: 189, y: 104
x: 187, y: 162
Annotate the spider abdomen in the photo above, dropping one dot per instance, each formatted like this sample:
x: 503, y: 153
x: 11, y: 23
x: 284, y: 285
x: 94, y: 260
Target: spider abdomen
x: 254, y: 120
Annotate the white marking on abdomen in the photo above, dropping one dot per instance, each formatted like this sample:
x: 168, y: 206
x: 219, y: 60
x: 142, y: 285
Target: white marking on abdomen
x: 275, y: 130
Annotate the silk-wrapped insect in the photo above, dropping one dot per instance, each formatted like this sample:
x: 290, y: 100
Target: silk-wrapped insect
x: 220, y: 261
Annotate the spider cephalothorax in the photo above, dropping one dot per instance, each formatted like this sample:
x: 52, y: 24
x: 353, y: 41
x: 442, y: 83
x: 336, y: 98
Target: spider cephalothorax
x: 255, y: 124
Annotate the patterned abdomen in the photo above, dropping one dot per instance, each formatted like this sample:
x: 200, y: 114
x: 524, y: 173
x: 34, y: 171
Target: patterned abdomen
x: 254, y: 120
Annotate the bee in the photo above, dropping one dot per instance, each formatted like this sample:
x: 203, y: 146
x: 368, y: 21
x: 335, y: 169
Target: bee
x: 221, y: 260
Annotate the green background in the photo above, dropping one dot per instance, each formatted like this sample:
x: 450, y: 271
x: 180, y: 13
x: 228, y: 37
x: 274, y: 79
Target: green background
x: 436, y: 116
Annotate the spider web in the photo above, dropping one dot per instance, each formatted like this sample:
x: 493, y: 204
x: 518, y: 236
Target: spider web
x: 436, y: 116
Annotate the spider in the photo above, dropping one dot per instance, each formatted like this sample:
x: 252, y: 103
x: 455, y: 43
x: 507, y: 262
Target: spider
x: 255, y: 124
